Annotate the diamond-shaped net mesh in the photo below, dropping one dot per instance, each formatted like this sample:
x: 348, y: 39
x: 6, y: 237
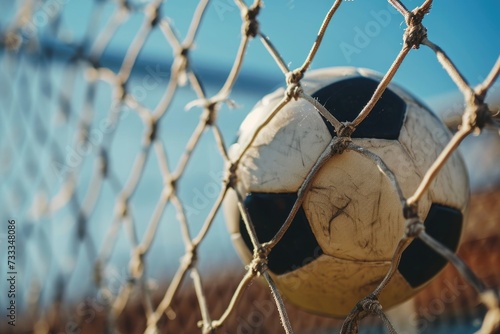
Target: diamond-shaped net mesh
x: 110, y: 181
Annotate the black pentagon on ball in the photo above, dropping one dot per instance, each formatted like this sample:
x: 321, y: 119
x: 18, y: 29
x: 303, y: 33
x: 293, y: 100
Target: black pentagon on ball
x: 419, y: 262
x: 344, y: 99
x: 268, y: 212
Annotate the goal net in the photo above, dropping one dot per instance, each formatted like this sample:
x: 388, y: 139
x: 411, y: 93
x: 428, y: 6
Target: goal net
x: 116, y: 119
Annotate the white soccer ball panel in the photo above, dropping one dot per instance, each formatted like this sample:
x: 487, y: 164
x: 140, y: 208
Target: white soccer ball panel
x: 401, y: 163
x: 351, y: 209
x: 450, y: 186
x: 284, y: 151
x: 331, y: 286
x: 260, y: 112
x: 397, y: 159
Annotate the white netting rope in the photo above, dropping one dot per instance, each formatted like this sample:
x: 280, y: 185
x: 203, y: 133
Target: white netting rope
x: 17, y: 39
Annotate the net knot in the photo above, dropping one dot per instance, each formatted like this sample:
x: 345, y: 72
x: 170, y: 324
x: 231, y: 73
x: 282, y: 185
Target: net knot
x: 232, y: 178
x: 190, y: 257
x: 294, y: 77
x: 251, y: 25
x: 152, y: 129
x: 206, y: 327
x: 121, y: 90
x: 366, y: 306
x: 259, y: 262
x: 152, y: 11
x: 210, y: 114
x: 170, y: 185
x: 415, y: 33
x: 136, y: 265
x: 340, y: 145
x: 121, y: 208
x: 477, y: 113
x: 183, y: 52
x: 293, y: 89
x: 370, y: 305
x: 410, y: 210
x: 180, y: 65
x: 413, y: 227
x: 152, y: 322
x: 346, y: 129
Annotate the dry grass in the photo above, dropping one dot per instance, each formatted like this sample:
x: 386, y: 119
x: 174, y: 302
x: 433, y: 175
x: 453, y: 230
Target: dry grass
x: 447, y: 299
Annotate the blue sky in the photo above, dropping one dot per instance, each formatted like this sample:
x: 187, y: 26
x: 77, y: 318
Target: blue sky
x: 363, y: 33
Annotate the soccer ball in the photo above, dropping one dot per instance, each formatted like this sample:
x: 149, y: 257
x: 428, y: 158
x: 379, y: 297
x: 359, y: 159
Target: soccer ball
x: 340, y: 244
